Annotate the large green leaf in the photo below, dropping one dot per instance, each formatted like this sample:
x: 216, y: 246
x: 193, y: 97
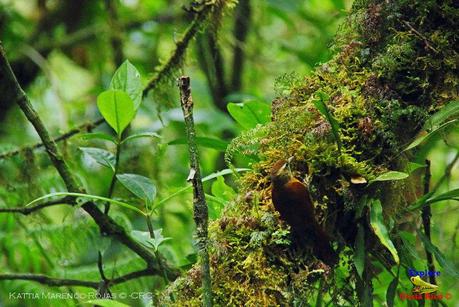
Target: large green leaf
x: 428, y: 199
x: 321, y: 106
x: 379, y: 228
x: 117, y: 108
x: 449, y: 110
x: 444, y: 263
x: 436, y: 130
x: 140, y: 186
x: 127, y: 79
x: 391, y: 175
x: 250, y: 114
x: 392, y: 290
x: 101, y: 156
x: 221, y: 190
x: 359, y: 253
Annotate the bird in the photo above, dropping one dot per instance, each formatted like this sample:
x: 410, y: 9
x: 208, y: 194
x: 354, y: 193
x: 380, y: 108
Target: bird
x: 291, y: 198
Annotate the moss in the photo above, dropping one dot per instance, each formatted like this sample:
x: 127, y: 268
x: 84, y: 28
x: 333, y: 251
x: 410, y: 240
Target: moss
x: 397, y: 64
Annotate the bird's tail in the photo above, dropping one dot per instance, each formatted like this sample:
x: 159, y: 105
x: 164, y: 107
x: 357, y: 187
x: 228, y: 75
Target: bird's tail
x: 323, y: 248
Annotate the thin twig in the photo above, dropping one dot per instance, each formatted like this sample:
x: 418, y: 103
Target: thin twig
x: 86, y: 127
x: 200, y: 209
x: 425, y: 39
x: 50, y: 281
x: 61, y: 282
x: 133, y: 275
x: 426, y: 219
x: 28, y: 210
x: 103, y: 291
x: 113, y: 180
x: 157, y: 254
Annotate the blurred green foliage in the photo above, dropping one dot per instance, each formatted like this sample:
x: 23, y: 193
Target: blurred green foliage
x: 74, y: 60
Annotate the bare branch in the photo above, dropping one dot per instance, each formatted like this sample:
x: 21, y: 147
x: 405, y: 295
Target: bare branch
x: 61, y: 282
x: 50, y: 281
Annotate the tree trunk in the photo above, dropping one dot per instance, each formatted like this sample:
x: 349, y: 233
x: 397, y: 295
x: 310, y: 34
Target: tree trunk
x: 397, y: 63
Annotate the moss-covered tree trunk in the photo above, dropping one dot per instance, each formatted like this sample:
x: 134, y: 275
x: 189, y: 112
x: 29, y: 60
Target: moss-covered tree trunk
x: 397, y: 63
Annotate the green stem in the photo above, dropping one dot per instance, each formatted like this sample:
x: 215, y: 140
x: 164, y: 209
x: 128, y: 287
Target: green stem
x: 113, y: 181
x: 157, y: 254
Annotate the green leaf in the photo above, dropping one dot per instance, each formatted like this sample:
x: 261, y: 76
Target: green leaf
x: 144, y: 238
x: 216, y: 206
x: 379, y: 228
x: 250, y: 114
x: 409, y: 243
x: 140, y: 186
x: 204, y: 142
x: 89, y: 196
x: 98, y: 136
x: 106, y: 303
x: 425, y: 137
x: 453, y: 194
x: 449, y: 110
x: 141, y: 135
x: 392, y: 290
x: 221, y: 190
x: 159, y: 238
x: 359, y: 254
x: 447, y: 266
x: 117, y: 109
x: 411, y: 167
x: 427, y: 199
x: 321, y: 106
x: 390, y: 175
x: 101, y: 156
x: 127, y: 79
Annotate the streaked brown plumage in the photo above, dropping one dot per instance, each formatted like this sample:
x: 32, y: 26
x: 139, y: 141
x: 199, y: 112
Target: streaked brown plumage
x: 292, y: 200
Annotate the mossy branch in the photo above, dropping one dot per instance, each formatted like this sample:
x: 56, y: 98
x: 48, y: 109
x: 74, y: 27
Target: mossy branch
x: 180, y: 48
x: 11, y: 89
x: 201, y: 216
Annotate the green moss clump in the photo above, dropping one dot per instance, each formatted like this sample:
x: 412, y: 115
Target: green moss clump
x: 397, y: 64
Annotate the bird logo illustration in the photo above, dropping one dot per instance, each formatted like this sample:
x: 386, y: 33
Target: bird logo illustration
x: 421, y: 286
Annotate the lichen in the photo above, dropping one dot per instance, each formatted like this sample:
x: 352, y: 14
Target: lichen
x: 396, y: 65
